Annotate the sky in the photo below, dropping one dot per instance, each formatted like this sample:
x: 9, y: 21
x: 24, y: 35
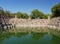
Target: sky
x: 26, y: 6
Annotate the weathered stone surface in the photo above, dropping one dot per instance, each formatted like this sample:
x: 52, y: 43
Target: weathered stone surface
x: 54, y: 22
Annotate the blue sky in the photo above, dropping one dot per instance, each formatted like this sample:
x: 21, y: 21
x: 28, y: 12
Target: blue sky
x: 27, y: 6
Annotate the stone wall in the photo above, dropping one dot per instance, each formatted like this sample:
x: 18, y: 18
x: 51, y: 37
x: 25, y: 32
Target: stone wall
x: 54, y: 22
x: 29, y: 22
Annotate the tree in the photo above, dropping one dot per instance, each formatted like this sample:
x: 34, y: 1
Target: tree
x: 36, y: 14
x: 1, y: 12
x: 5, y: 14
x: 8, y: 14
x: 25, y: 16
x: 18, y: 14
x: 21, y: 15
x: 56, y: 10
x: 45, y: 16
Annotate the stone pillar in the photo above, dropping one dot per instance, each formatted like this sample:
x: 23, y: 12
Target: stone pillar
x: 49, y: 19
x: 15, y: 16
x: 29, y: 17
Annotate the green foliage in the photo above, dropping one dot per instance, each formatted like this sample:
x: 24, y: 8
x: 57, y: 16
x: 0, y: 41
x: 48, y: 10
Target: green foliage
x: 21, y: 15
x: 56, y: 10
x: 8, y: 14
x: 25, y: 16
x: 5, y: 14
x: 1, y: 11
x: 18, y: 14
x: 45, y: 16
x: 36, y: 14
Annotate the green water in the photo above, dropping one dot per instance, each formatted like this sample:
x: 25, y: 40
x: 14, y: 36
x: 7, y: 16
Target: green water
x: 28, y: 38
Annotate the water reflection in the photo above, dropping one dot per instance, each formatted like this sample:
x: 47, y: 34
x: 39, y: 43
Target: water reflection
x: 37, y: 36
x: 48, y: 37
x: 56, y: 39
